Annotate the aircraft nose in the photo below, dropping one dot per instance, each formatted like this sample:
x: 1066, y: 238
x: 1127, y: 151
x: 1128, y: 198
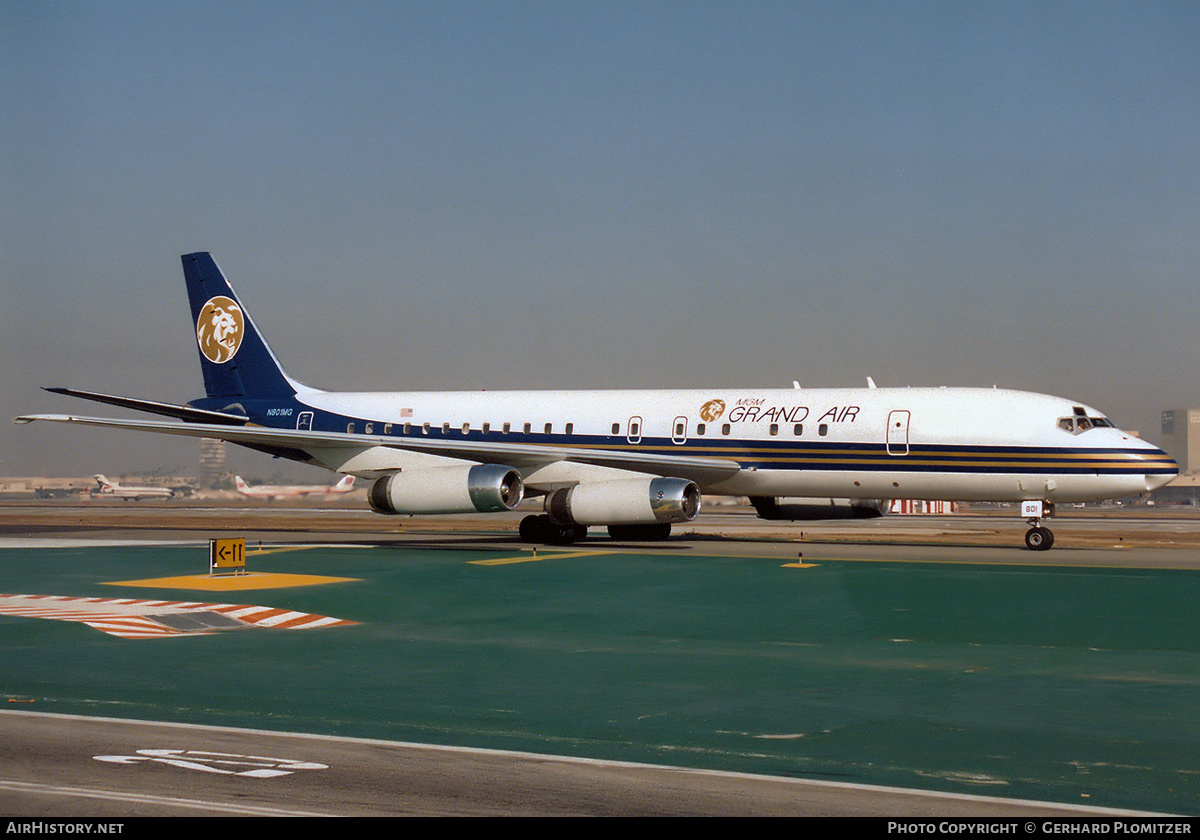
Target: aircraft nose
x: 1160, y: 467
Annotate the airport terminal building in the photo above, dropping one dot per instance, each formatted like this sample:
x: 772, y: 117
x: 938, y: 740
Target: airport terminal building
x: 1181, y: 437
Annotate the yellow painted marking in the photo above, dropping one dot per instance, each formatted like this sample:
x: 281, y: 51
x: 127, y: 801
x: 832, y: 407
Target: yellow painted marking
x: 231, y: 583
x: 798, y: 566
x: 1007, y: 564
x: 535, y: 557
x: 914, y: 561
x: 259, y: 550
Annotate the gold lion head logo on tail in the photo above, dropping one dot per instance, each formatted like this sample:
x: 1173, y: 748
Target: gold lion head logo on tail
x: 219, y: 329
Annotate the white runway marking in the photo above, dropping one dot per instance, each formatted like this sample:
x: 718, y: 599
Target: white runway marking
x: 256, y: 766
x: 148, y: 799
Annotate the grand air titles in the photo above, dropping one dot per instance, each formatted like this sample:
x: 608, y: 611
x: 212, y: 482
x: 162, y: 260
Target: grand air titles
x: 758, y: 410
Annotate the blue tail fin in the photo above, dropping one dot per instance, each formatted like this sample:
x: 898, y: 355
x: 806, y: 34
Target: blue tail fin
x: 235, y: 359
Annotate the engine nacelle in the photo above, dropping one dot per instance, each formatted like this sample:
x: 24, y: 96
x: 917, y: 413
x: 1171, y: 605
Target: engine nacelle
x: 483, y: 488
x: 799, y: 508
x: 626, y: 502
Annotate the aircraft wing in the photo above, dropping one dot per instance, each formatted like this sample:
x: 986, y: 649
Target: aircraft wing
x: 295, y: 442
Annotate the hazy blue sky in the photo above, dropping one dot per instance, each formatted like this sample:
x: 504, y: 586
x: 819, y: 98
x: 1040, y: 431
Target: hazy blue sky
x: 599, y: 194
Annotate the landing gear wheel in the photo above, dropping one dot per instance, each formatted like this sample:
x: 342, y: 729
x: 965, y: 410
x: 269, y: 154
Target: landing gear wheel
x: 531, y: 528
x: 1039, y: 538
x: 560, y: 534
x: 654, y: 532
x: 539, y: 528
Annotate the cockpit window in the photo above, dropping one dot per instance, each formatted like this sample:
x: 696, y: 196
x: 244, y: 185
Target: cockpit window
x: 1079, y: 422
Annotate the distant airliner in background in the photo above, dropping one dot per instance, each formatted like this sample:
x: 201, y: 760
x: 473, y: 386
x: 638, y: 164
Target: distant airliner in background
x: 291, y: 491
x: 638, y: 461
x: 107, y: 487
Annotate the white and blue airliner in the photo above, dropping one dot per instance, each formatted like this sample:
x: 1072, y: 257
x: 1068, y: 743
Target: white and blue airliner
x: 638, y: 461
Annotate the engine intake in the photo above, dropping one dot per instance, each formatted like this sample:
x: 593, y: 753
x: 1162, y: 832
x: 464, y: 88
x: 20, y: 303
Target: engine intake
x: 483, y: 488
x: 626, y: 502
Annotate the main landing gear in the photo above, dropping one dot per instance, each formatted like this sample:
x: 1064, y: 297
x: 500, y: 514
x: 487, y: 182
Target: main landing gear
x: 1038, y: 537
x: 540, y: 528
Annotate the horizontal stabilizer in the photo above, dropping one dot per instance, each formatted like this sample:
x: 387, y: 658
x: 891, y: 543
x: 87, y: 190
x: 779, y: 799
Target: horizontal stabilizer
x: 180, y: 412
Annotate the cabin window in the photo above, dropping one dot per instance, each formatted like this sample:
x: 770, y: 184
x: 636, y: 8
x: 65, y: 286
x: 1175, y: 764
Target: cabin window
x: 774, y: 429
x: 425, y: 429
x: 823, y: 429
x: 466, y: 428
x: 699, y: 428
x: 387, y: 428
x: 369, y: 429
x: 570, y: 428
x: 506, y: 428
x: 528, y: 428
x: 445, y: 428
x: 349, y: 428
x: 725, y: 429
x: 407, y: 428
x: 487, y: 427
x: 616, y: 429
x: 798, y: 429
x: 549, y: 428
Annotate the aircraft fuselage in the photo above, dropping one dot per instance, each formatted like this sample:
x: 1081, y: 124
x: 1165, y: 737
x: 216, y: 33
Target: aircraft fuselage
x: 914, y: 443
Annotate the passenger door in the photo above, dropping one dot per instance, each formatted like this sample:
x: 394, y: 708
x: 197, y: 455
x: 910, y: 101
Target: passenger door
x: 897, y: 432
x: 679, y: 431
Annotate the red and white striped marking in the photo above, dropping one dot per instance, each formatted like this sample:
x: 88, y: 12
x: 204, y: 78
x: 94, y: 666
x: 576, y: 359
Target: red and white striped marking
x: 134, y: 618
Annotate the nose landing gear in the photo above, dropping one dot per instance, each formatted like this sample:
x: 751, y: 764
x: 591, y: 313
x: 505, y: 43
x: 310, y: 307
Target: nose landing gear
x: 1038, y: 537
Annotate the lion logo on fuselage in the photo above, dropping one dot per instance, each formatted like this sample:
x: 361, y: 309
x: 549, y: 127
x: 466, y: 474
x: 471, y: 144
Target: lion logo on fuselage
x: 712, y: 410
x: 219, y: 329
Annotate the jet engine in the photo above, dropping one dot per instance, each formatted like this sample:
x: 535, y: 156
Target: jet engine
x: 626, y: 502
x: 796, y: 508
x: 483, y: 488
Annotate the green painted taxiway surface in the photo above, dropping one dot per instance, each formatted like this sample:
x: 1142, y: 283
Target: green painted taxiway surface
x: 1075, y: 685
